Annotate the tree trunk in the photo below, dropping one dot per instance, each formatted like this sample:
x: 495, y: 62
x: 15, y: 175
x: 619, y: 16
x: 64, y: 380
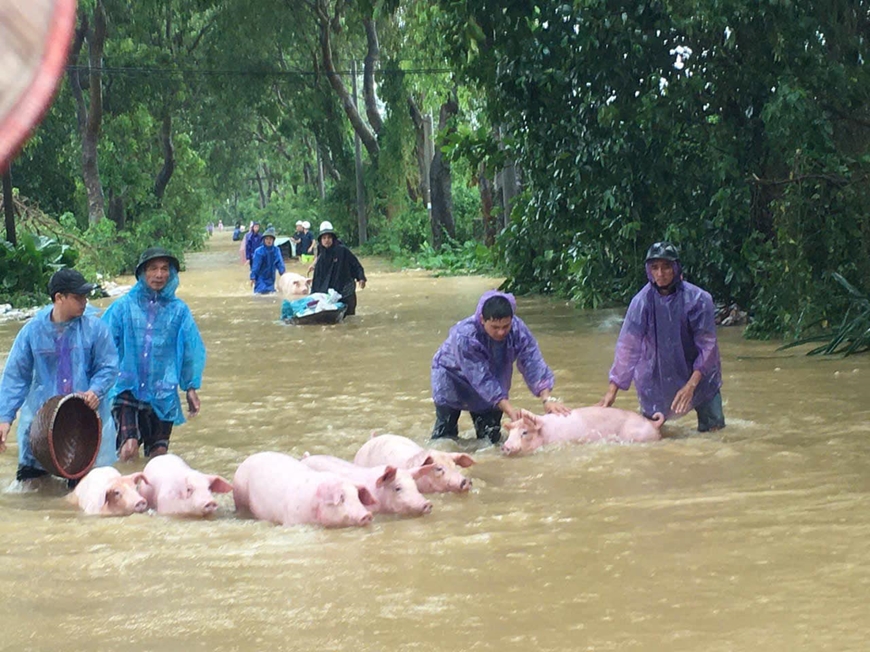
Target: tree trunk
x: 441, y: 179
x: 420, y: 151
x: 9, y: 207
x: 262, y: 191
x: 91, y: 136
x: 116, y: 210
x: 366, y: 135
x: 371, y: 62
x: 484, y: 186
x: 165, y: 173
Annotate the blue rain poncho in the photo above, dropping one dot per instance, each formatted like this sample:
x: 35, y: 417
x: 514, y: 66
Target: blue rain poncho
x: 266, y: 261
x: 159, y: 346
x: 48, y: 359
x: 663, y: 340
x: 471, y: 371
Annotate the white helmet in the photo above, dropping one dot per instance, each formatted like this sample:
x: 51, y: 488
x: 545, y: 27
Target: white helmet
x: 306, y: 224
x: 326, y: 227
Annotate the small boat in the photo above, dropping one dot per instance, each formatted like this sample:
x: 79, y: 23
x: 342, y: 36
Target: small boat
x: 322, y: 317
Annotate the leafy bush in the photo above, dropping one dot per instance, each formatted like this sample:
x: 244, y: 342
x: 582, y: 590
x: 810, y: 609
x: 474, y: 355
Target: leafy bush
x: 27, y: 268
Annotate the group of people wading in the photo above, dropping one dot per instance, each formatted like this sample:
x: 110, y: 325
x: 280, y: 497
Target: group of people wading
x: 130, y: 363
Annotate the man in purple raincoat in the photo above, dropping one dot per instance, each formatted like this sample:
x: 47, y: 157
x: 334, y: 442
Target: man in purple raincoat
x: 668, y: 347
x: 472, y: 370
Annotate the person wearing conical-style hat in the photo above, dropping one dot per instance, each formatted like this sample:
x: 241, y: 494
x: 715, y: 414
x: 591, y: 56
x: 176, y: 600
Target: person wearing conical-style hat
x: 161, y: 351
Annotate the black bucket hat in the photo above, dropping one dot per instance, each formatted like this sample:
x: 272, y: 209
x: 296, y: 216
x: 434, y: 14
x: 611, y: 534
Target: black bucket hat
x: 156, y: 252
x: 663, y: 251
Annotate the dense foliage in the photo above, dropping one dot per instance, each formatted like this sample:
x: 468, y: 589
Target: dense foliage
x: 738, y: 129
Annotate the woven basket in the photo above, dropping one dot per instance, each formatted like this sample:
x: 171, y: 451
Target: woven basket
x: 65, y: 436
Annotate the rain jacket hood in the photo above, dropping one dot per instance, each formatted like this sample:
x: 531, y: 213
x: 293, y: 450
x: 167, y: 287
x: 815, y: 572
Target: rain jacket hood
x: 46, y: 360
x: 471, y: 371
x: 159, y: 346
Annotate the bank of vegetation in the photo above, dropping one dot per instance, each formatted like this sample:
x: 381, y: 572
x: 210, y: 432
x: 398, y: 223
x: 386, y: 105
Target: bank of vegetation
x: 548, y: 141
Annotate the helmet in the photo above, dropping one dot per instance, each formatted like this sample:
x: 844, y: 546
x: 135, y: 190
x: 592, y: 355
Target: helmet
x: 155, y: 252
x: 325, y: 227
x: 663, y: 251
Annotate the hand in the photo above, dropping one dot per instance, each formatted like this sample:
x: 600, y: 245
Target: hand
x: 310, y: 269
x: 91, y: 399
x: 505, y: 406
x: 251, y: 282
x: 682, y: 402
x: 193, y: 403
x: 362, y: 284
x: 609, y: 396
x: 4, y: 432
x: 556, y: 407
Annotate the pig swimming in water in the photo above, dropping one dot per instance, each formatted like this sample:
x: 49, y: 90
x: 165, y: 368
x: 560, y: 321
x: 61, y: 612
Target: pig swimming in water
x: 175, y: 488
x: 278, y: 488
x: 293, y: 285
x: 105, y: 492
x: 433, y: 471
x: 588, y: 424
x: 394, y: 489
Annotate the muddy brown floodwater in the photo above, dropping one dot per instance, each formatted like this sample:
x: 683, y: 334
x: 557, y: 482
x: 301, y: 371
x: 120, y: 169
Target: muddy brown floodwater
x: 753, y: 538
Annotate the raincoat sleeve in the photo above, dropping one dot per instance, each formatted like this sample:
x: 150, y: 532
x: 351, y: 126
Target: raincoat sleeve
x: 702, y: 321
x: 629, y: 344
x: 17, y: 376
x: 192, y: 355
x: 530, y: 362
x: 280, y: 262
x: 474, y: 365
x: 356, y: 269
x: 104, y: 360
x: 249, y: 248
x: 256, y: 262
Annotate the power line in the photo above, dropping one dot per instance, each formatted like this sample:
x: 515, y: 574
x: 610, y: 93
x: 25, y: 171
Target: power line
x: 168, y: 72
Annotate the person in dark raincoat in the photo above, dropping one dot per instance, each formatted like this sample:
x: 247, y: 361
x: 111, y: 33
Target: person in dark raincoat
x: 267, y: 260
x: 337, y: 268
x: 160, y: 350
x: 668, y: 346
x: 472, y: 369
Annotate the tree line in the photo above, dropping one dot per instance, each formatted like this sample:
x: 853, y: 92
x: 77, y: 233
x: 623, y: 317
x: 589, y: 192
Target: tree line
x: 553, y: 140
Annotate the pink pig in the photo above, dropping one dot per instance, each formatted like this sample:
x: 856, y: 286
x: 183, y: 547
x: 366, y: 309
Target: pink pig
x: 433, y: 471
x: 394, y: 489
x: 278, y: 488
x: 291, y: 285
x: 105, y: 492
x: 174, y: 488
x: 586, y: 424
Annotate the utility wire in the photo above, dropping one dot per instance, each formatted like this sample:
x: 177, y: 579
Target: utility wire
x: 142, y: 70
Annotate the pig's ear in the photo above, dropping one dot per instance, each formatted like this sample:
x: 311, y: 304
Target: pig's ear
x: 308, y: 282
x: 463, y: 459
x: 218, y: 485
x: 388, y: 476
x: 330, y: 493
x: 373, y: 434
x: 531, y: 420
x: 138, y: 478
x: 306, y: 455
x: 365, y: 497
x: 419, y: 471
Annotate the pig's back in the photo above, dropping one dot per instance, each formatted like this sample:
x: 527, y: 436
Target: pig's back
x: 387, y: 449
x: 274, y: 487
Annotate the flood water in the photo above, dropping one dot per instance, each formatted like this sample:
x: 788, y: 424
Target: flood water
x: 753, y: 538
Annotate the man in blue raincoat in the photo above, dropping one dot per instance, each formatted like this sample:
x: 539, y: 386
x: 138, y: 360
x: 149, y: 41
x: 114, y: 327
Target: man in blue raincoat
x: 160, y: 351
x: 472, y: 369
x: 61, y: 350
x: 252, y: 242
x: 668, y: 346
x: 267, y: 261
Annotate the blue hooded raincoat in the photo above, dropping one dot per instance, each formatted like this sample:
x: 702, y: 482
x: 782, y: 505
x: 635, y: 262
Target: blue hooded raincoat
x: 47, y: 360
x: 266, y: 261
x: 471, y: 371
x: 159, y: 347
x: 663, y: 340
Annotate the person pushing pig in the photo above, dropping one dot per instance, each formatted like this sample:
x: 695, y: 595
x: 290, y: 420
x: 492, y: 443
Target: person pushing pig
x: 668, y: 346
x: 472, y: 370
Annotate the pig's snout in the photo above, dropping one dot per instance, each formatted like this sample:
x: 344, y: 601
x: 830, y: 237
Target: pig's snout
x: 209, y: 508
x: 465, y: 484
x: 508, y: 450
x: 140, y: 506
x: 365, y: 519
x: 427, y: 508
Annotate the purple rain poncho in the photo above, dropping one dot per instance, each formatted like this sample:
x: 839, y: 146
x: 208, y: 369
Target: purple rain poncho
x: 471, y: 371
x: 663, y: 340
x: 47, y: 360
x: 159, y: 346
